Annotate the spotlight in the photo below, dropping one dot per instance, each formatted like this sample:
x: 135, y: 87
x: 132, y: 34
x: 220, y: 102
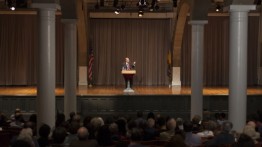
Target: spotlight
x: 117, y: 11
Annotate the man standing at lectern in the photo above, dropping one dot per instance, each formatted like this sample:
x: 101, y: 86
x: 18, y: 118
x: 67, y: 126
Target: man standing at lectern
x: 127, y: 66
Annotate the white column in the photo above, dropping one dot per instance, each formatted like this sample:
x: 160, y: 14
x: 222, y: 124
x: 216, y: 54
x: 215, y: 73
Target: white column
x: 70, y: 46
x: 238, y: 64
x: 197, y: 67
x: 46, y: 64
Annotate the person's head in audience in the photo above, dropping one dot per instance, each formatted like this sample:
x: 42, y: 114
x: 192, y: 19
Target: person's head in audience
x: 250, y: 131
x: 21, y: 143
x: 59, y: 135
x: 19, y: 117
x: 171, y: 124
x: 31, y: 125
x: 74, y: 127
x: 161, y: 123
x: 188, y: 126
x: 60, y: 120
x: 121, y: 123
x: 136, y: 134
x: 3, y: 119
x: 77, y: 118
x: 196, y: 119
x: 245, y: 141
x: 151, y: 123
x: 71, y: 115
x: 227, y: 126
x: 223, y: 116
x: 97, y: 122
x: 113, y: 128
x: 44, y: 131
x: 86, y: 121
x: 179, y: 122
x: 26, y: 134
x: 251, y: 123
x: 151, y: 115
x: 33, y: 118
x: 82, y: 133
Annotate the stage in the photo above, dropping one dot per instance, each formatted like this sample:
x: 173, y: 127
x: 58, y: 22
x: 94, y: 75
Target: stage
x: 109, y: 100
x: 118, y: 90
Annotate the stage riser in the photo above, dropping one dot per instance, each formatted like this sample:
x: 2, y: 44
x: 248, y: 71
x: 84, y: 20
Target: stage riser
x: 176, y: 106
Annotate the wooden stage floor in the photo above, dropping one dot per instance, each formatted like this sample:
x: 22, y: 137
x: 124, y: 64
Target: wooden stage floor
x: 111, y: 90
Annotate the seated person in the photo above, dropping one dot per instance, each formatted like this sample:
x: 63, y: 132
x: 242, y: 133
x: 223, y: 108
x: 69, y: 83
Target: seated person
x: 224, y: 137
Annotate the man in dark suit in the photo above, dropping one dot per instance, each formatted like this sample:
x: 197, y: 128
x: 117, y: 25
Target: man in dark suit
x: 83, y: 139
x: 128, y: 66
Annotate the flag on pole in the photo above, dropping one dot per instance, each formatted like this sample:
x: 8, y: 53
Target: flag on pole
x: 90, y: 67
x: 169, y: 66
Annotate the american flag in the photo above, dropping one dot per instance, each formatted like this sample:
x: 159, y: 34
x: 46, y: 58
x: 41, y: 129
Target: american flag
x: 169, y: 66
x: 90, y: 67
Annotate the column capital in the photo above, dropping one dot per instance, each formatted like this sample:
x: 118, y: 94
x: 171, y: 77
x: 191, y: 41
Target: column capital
x: 46, y: 6
x: 241, y: 8
x: 69, y: 21
x: 198, y: 22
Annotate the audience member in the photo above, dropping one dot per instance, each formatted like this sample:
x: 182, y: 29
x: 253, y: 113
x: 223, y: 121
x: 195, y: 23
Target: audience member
x: 136, y: 137
x: 171, y: 129
x: 83, y: 140
x: 151, y: 115
x: 250, y: 131
x: 140, y: 121
x: 96, y: 123
x: 44, y: 132
x: 190, y: 138
x: 150, y: 133
x: 121, y: 123
x: 18, y: 121
x: 71, y: 116
x: 224, y: 137
x: 17, y: 110
x: 207, y: 132
x: 74, y: 126
x: 59, y: 135
x: 33, y: 118
x: 161, y: 124
x: 26, y: 134
x: 245, y: 141
x: 60, y: 120
x: 115, y: 135
x: 196, y: 122
x: 3, y: 120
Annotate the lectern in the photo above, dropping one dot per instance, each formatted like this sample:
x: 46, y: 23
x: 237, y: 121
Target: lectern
x: 128, y: 74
